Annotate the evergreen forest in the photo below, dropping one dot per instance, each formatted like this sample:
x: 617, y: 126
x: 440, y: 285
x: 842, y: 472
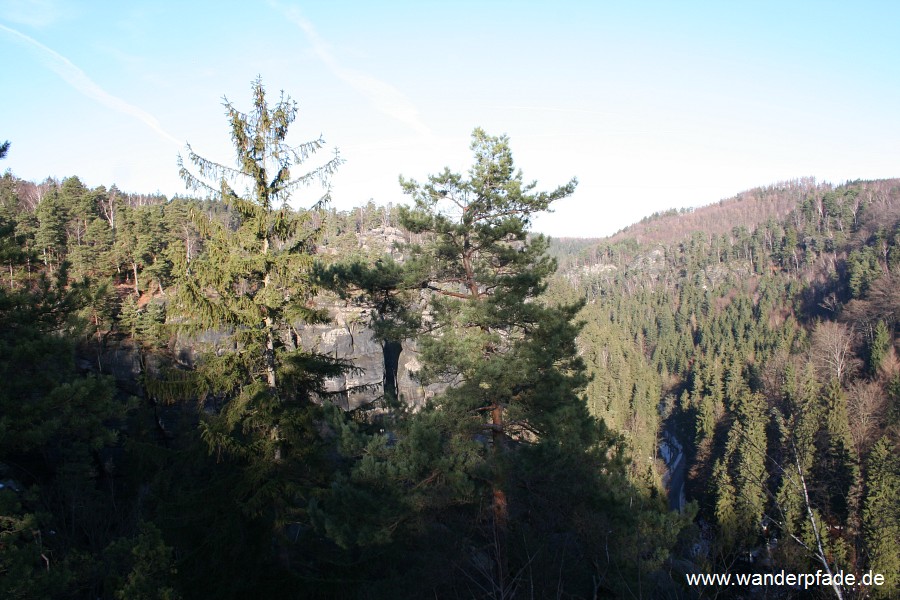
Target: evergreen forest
x: 227, y: 395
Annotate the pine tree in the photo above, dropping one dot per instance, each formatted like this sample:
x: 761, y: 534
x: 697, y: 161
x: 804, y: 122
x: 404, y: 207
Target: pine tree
x: 54, y: 424
x: 50, y: 236
x: 385, y: 288
x: 504, y: 471
x: 484, y: 272
x: 510, y: 359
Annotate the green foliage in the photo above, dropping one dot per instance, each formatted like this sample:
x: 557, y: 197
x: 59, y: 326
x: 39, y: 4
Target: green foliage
x: 532, y: 470
x: 254, y: 280
x: 879, y: 347
x: 864, y: 269
x: 389, y: 291
x: 23, y: 556
x: 54, y: 424
x: 485, y: 273
x: 151, y: 567
x: 250, y: 285
x: 838, y: 467
x: 50, y: 236
x: 882, y: 516
x: 385, y: 286
x: 42, y: 404
x: 511, y: 431
x: 729, y: 328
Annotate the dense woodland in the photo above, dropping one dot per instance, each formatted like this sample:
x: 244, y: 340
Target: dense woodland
x: 757, y: 336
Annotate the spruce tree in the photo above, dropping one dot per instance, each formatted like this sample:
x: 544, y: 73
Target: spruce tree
x: 838, y: 468
x: 799, y: 430
x: 879, y: 347
x: 748, y: 438
x: 881, y: 516
x: 252, y: 287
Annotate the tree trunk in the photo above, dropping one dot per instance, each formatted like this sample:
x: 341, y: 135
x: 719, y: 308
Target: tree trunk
x: 269, y: 358
x: 499, y: 504
x: 269, y: 355
x: 820, y: 549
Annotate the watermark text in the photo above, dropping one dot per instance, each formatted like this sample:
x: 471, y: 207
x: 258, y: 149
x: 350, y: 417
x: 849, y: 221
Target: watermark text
x: 798, y: 580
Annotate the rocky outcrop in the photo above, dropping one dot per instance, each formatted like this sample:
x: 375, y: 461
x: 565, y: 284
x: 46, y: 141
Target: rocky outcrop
x: 379, y: 365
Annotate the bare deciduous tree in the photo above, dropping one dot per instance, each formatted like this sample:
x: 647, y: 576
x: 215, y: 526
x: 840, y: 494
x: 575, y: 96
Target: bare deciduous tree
x: 31, y: 194
x: 107, y: 204
x: 865, y: 408
x: 832, y: 350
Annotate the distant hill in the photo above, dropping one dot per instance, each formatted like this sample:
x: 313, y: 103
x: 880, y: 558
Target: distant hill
x: 747, y: 209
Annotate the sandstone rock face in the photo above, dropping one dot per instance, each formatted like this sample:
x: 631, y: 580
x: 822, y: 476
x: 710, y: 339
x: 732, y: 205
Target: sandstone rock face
x: 348, y: 337
x: 383, y: 239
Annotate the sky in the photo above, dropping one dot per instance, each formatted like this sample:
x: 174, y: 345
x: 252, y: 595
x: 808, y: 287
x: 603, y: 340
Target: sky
x: 651, y: 105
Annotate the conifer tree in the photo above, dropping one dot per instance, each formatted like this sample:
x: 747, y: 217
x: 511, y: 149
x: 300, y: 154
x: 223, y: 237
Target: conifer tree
x: 484, y: 272
x: 386, y: 288
x: 507, y: 458
x: 253, y: 283
x: 50, y: 236
x: 54, y: 423
x: 479, y: 262
x: 799, y: 430
x: 879, y: 347
x: 838, y: 468
x: 882, y: 516
x: 510, y: 359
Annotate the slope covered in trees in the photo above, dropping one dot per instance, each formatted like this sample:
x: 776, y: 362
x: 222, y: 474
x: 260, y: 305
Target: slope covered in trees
x: 769, y: 352
x: 190, y: 445
x: 751, y: 209
x: 166, y: 431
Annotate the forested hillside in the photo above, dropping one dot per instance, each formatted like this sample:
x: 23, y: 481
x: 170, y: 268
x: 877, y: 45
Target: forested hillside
x: 769, y: 353
x: 747, y: 209
x: 706, y: 391
x: 166, y: 433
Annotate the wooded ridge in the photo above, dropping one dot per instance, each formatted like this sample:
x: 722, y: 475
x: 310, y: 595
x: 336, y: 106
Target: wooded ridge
x: 223, y: 396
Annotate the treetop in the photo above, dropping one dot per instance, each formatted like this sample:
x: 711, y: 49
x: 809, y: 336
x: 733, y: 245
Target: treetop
x: 493, y: 192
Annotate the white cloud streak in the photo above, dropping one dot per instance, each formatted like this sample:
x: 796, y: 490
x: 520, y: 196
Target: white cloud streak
x: 79, y: 80
x: 32, y: 13
x: 386, y: 98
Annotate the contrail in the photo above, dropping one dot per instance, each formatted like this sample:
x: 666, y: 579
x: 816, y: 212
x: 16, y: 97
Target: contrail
x: 383, y: 95
x: 77, y: 78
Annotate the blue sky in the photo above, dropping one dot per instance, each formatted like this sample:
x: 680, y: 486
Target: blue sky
x: 652, y: 105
